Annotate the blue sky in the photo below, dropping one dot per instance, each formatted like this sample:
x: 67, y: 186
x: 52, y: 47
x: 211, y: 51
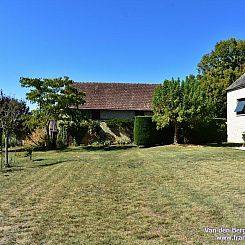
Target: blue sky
x: 111, y: 40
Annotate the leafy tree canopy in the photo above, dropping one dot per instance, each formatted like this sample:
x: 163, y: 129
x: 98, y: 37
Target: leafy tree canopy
x: 194, y: 102
x: 12, y: 115
x: 178, y: 102
x: 12, y: 112
x: 55, y: 99
x: 219, y: 69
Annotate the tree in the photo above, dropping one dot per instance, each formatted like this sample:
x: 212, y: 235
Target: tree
x: 195, y: 108
x: 11, y: 111
x: 56, y: 99
x: 219, y: 69
x: 180, y: 104
x: 167, y: 105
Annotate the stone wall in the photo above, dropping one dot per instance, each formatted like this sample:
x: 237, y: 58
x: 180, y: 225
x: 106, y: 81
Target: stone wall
x: 108, y: 114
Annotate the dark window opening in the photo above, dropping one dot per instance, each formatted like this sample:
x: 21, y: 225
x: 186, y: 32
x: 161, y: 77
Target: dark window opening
x: 139, y: 113
x: 96, y: 114
x: 240, y: 108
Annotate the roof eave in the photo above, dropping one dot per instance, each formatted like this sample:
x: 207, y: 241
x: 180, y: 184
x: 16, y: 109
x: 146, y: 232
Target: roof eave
x: 116, y: 109
x: 235, y: 88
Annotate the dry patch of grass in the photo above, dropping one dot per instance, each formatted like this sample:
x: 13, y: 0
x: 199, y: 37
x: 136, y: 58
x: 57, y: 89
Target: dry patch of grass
x: 161, y: 195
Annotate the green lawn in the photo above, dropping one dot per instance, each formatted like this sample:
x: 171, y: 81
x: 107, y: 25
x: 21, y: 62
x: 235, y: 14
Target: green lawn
x: 160, y: 195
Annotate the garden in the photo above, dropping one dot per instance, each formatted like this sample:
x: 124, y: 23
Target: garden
x: 122, y: 195
x: 169, y: 178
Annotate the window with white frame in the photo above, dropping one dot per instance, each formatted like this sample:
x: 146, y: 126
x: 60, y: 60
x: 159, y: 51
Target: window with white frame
x: 240, y: 108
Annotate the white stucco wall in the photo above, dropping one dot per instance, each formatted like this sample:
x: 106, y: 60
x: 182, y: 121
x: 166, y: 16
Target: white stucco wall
x: 235, y: 123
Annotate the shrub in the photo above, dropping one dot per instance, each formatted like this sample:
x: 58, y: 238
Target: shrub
x: 122, y: 129
x: 77, y: 133
x: 123, y: 141
x: 37, y: 138
x: 121, y: 123
x: 106, y: 143
x: 93, y: 127
x: 62, y: 140
x: 213, y: 131
x: 105, y: 137
x: 144, y: 131
x: 29, y: 151
x: 243, y: 137
x: 88, y: 129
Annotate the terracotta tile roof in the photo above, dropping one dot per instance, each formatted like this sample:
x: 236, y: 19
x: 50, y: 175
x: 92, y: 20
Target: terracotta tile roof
x: 117, y: 96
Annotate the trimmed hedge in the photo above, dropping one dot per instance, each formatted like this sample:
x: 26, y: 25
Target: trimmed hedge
x: 144, y: 131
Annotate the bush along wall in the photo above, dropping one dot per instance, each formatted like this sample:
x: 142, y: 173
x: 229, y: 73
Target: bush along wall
x: 120, y: 123
x: 122, y: 129
x: 146, y: 133
x: 214, y: 131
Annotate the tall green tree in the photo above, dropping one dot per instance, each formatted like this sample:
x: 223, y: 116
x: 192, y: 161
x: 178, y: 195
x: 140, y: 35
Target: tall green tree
x: 179, y: 103
x: 194, y: 102
x: 219, y: 69
x: 11, y: 112
x: 56, y: 99
x: 195, y: 107
x: 167, y: 105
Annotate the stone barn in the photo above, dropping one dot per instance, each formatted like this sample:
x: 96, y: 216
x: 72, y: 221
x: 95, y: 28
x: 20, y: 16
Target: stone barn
x: 116, y: 100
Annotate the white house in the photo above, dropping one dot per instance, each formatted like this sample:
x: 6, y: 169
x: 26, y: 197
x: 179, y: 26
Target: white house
x: 236, y: 110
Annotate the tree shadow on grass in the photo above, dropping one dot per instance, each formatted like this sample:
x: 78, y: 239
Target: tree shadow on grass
x: 224, y: 144
x: 38, y: 160
x: 51, y: 163
x: 81, y: 149
x: 108, y: 148
x: 75, y: 149
x: 12, y: 169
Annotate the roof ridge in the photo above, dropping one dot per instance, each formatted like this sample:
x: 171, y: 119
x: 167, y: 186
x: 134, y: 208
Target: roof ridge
x: 133, y: 83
